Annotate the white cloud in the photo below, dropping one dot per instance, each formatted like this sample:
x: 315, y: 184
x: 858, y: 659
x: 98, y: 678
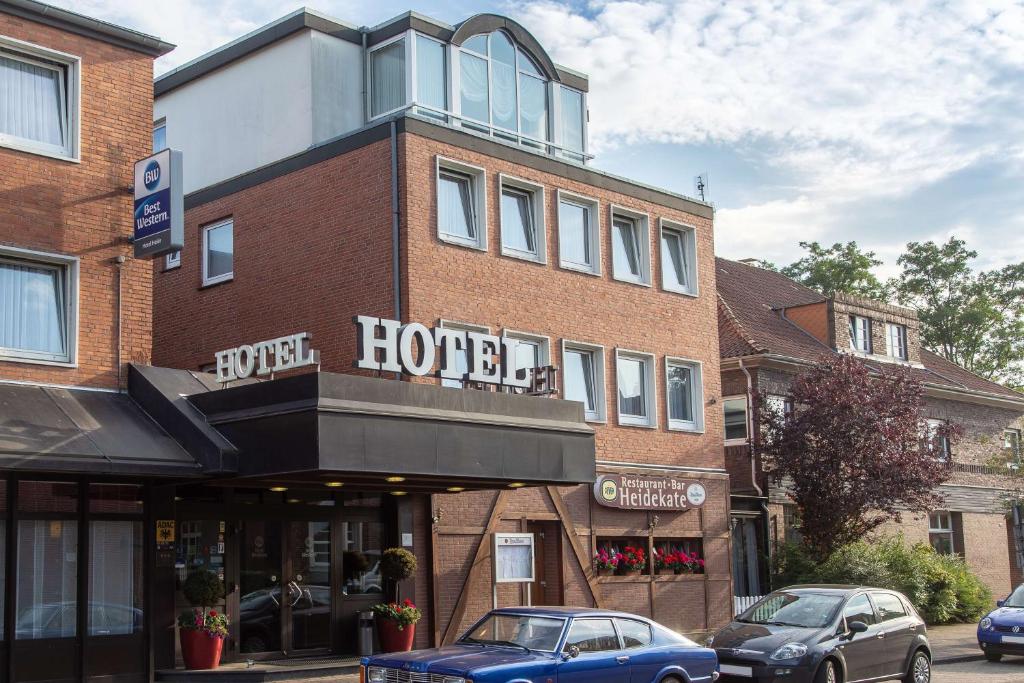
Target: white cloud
x: 769, y: 230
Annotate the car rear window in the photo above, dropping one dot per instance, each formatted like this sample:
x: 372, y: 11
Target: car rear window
x: 634, y: 633
x: 889, y: 606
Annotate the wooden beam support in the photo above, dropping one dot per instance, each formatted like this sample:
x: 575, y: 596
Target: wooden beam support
x: 583, y: 557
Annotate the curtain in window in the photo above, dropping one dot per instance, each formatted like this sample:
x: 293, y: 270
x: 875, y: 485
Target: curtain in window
x: 673, y: 258
x: 503, y: 90
x: 579, y: 378
x: 572, y: 119
x: 430, y: 73
x: 517, y: 221
x: 574, y: 233
x: 680, y: 393
x: 473, y: 87
x: 632, y: 392
x: 455, y: 205
x: 115, y: 577
x: 31, y: 105
x: 47, y: 579
x: 32, y: 314
x: 533, y: 107
x: 387, y: 78
x: 627, y: 249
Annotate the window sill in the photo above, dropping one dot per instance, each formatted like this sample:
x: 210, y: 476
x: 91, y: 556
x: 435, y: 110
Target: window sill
x: 565, y: 265
x: 69, y: 364
x: 218, y: 281
x: 629, y: 281
x: 596, y: 420
x: 684, y: 428
x: 30, y: 148
x: 523, y: 256
x: 625, y: 422
x: 459, y: 242
x: 692, y: 293
x: 736, y: 442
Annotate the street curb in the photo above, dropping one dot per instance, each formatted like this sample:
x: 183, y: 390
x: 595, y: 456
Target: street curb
x: 959, y: 659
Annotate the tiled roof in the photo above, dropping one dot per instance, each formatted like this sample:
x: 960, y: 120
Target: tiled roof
x: 750, y: 323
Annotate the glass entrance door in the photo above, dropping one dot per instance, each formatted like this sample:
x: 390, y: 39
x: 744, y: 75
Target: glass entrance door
x: 285, y: 586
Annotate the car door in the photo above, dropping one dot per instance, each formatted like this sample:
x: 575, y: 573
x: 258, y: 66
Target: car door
x: 861, y: 651
x: 899, y: 627
x: 636, y: 637
x: 601, y: 658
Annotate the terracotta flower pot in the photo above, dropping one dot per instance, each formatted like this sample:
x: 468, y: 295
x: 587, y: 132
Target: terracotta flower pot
x: 601, y: 571
x: 392, y: 639
x: 199, y: 650
x: 667, y: 570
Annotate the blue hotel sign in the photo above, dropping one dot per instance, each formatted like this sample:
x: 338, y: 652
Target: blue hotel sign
x: 159, y: 205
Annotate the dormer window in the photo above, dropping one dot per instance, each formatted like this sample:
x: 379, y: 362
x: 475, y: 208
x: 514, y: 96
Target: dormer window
x: 860, y: 334
x: 896, y: 341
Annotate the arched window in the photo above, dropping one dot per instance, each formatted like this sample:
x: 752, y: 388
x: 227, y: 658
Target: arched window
x: 500, y: 86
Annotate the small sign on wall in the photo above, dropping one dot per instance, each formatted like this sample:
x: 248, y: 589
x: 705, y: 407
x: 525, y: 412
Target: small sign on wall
x: 165, y: 534
x: 159, y: 215
x: 638, y: 492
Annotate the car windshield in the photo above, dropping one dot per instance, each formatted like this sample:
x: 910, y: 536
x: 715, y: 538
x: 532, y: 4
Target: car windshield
x: 1016, y: 598
x: 532, y: 632
x: 806, y: 610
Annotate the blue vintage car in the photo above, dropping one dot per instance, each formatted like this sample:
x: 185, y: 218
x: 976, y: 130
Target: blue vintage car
x: 1001, y: 631
x: 553, y: 645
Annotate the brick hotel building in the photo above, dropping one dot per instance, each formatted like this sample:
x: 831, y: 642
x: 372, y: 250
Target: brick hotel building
x: 435, y: 174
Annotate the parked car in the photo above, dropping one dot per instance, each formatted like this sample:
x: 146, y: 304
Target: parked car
x: 826, y: 634
x: 1001, y: 631
x: 567, y: 644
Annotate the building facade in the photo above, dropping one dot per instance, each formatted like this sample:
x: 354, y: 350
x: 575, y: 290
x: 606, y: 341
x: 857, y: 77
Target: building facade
x: 771, y: 328
x: 437, y: 175
x: 78, y: 457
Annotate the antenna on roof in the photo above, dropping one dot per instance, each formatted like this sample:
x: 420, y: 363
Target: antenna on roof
x: 702, y: 185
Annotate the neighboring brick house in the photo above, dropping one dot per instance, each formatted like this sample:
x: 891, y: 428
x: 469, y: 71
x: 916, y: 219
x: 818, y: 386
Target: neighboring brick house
x: 409, y: 197
x: 770, y: 328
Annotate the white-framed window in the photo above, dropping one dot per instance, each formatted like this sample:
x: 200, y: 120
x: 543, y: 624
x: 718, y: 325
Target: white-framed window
x: 896, y: 341
x: 583, y: 378
x: 631, y: 246
x: 461, y: 204
x: 218, y: 252
x: 735, y: 409
x: 1012, y: 443
x: 386, y: 63
x: 532, y: 350
x: 571, y: 122
x: 860, y: 334
x: 678, y: 258
x: 940, y: 532
x: 38, y: 307
x: 39, y: 88
x: 431, y: 70
x: 523, y: 234
x: 461, y: 350
x: 779, y: 405
x: 684, y: 394
x: 635, y: 388
x: 579, y: 233
x: 159, y: 135
x: 935, y: 439
x: 172, y: 260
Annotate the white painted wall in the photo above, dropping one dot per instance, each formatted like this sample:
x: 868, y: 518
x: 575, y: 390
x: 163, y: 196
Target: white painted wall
x: 267, y: 106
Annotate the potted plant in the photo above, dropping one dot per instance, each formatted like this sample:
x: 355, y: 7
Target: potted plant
x: 606, y: 562
x: 664, y: 561
x: 396, y: 621
x: 202, y: 630
x: 632, y: 560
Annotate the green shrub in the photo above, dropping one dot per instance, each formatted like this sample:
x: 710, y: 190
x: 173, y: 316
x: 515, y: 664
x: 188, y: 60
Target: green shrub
x: 203, y: 589
x: 941, y: 587
x: 397, y: 564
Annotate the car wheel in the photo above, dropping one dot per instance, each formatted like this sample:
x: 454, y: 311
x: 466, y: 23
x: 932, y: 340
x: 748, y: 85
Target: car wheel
x: 827, y: 673
x: 920, y: 669
x: 993, y: 657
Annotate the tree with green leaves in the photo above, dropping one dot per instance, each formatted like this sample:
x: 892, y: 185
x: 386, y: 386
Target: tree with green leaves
x: 840, y: 268
x: 974, y: 319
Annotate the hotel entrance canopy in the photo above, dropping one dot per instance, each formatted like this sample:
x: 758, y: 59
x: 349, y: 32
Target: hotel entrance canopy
x: 320, y: 427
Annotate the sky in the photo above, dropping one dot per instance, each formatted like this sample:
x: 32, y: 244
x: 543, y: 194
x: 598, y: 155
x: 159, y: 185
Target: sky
x: 880, y: 122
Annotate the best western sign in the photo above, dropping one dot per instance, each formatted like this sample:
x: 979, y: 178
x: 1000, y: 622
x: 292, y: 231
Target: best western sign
x: 632, y: 492
x: 159, y: 205
x: 389, y: 346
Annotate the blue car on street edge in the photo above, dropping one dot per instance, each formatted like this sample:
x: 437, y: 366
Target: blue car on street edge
x: 1001, y: 631
x: 556, y: 644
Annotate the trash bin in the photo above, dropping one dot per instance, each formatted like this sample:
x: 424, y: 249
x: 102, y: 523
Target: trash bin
x: 365, y: 633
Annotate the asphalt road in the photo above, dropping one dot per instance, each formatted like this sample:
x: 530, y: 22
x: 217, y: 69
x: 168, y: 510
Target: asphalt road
x: 1010, y: 670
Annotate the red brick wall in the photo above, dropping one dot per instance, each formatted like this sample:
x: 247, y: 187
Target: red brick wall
x: 813, y: 318
x: 82, y: 209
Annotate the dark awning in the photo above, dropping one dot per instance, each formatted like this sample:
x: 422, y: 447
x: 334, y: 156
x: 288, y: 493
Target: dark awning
x: 321, y: 424
x: 80, y: 430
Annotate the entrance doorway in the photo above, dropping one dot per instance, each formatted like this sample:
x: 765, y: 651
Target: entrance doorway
x: 285, y: 586
x: 547, y: 548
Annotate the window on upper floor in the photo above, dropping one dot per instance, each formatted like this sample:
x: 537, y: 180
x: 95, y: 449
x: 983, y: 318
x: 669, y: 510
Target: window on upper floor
x: 631, y: 261
x: 38, y: 306
x: 583, y: 378
x: 571, y: 123
x: 634, y: 378
x: 860, y: 334
x: 218, y: 252
x: 935, y: 438
x: 522, y: 220
x: 532, y: 350
x: 387, y: 77
x: 678, y: 258
x: 461, y: 204
x: 1012, y: 443
x: 579, y: 245
x: 896, y: 341
x: 39, y: 92
x: 461, y: 352
x: 735, y: 408
x: 431, y: 75
x: 685, y: 394
x: 160, y: 135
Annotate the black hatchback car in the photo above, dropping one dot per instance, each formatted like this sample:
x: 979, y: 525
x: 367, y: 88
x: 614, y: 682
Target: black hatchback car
x: 825, y: 634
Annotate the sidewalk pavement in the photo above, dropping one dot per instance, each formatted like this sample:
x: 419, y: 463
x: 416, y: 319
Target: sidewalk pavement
x: 954, y: 643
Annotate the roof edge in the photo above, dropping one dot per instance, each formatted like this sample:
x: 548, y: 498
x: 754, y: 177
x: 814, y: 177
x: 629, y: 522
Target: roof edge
x: 89, y: 27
